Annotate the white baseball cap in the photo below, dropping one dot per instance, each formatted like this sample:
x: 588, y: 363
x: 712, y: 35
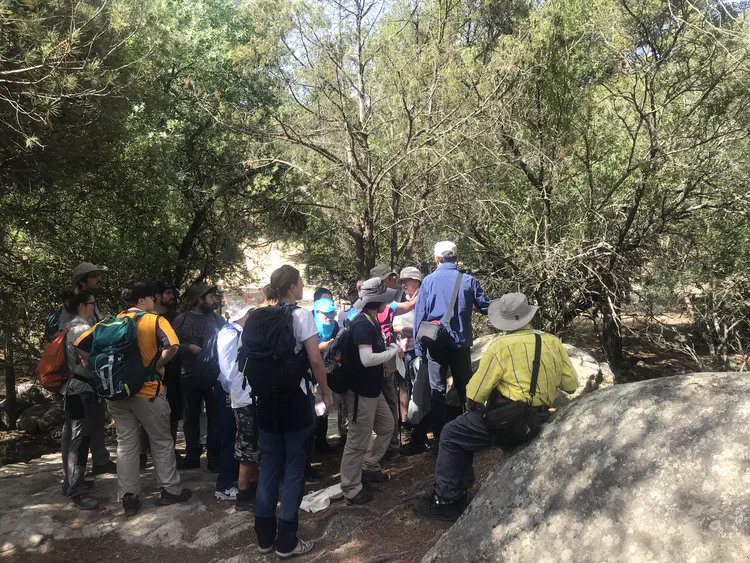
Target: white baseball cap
x: 446, y: 249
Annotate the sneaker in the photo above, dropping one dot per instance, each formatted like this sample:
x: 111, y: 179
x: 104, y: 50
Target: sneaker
x: 303, y: 547
x: 375, y: 476
x: 227, y: 494
x: 312, y: 474
x: 108, y: 468
x: 363, y: 496
x: 213, y: 464
x: 169, y: 498
x: 412, y: 448
x: 84, y: 502
x: 245, y: 502
x: 191, y: 464
x: 143, y: 461
x: 131, y: 503
x: 444, y: 512
x: 323, y: 447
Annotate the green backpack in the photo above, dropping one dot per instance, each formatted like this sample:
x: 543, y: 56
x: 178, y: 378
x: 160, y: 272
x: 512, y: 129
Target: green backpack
x: 115, y: 359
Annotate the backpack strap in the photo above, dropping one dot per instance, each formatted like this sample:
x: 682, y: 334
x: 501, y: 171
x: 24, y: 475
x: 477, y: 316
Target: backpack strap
x: 535, y: 366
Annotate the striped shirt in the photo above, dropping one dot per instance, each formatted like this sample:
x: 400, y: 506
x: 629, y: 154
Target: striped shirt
x: 506, y: 366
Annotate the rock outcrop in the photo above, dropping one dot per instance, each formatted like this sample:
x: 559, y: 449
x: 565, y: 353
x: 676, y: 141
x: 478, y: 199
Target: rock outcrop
x: 648, y: 471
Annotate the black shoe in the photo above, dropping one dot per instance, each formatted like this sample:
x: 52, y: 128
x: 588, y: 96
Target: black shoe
x: 143, y: 461
x: 169, y: 498
x: 312, y: 474
x: 109, y: 467
x: 245, y: 501
x: 375, y: 476
x: 431, y: 510
x: 213, y: 464
x: 84, y: 502
x: 363, y: 496
x: 412, y: 448
x: 131, y: 503
x: 392, y: 455
x: 191, y: 464
x: 324, y: 448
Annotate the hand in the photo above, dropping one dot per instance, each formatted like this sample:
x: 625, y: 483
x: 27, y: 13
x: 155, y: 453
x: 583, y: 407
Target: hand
x: 229, y: 401
x: 195, y: 349
x: 400, y: 353
x: 327, y: 401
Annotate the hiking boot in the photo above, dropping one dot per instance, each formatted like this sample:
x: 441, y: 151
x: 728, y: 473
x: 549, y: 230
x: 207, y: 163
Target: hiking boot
x: 375, y: 476
x: 84, y: 502
x: 191, y: 464
x: 131, y: 503
x: 363, y: 496
x: 143, y: 461
x: 227, y: 494
x: 168, y: 498
x: 312, y: 474
x: 245, y: 501
x: 412, y: 448
x: 108, y: 468
x: 323, y: 447
x: 213, y: 464
x: 443, y: 512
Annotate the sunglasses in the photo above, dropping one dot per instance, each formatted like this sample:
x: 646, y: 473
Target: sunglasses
x: 90, y: 303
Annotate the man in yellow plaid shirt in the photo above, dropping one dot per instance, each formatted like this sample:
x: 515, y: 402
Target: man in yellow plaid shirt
x: 506, y: 367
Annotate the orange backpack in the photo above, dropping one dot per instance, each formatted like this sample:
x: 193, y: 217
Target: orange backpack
x: 52, y: 369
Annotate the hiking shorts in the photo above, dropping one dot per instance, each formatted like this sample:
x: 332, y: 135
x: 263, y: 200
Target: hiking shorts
x: 246, y: 442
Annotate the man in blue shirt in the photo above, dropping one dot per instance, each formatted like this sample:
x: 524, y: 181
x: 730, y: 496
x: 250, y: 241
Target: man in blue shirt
x: 432, y: 304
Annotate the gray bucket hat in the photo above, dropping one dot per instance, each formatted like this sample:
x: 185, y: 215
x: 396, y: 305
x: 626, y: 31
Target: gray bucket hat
x: 410, y: 273
x: 84, y: 269
x: 196, y: 291
x: 374, y: 291
x: 511, y: 312
x: 382, y: 271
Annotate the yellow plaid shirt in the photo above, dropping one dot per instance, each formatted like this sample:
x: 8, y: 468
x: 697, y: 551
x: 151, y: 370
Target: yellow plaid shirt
x: 506, y: 366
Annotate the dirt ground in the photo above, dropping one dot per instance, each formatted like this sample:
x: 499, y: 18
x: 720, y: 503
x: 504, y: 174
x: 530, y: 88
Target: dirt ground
x: 37, y: 524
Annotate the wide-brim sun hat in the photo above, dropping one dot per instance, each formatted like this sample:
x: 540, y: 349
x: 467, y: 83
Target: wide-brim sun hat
x: 324, y: 305
x: 374, y: 291
x: 198, y: 290
x: 410, y: 273
x: 84, y: 269
x: 511, y: 312
x: 382, y: 271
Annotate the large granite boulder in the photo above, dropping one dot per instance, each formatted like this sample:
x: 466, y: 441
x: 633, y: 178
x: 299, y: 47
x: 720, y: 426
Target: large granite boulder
x: 648, y: 471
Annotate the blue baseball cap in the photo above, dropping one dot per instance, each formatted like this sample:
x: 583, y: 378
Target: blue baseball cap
x: 324, y: 305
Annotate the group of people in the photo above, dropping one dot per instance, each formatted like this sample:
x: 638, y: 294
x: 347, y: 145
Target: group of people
x: 258, y: 439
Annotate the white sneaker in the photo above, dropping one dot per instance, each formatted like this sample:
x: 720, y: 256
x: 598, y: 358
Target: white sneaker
x: 227, y: 494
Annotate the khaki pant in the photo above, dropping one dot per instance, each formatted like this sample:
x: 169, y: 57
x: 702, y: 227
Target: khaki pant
x: 362, y: 451
x: 154, y: 416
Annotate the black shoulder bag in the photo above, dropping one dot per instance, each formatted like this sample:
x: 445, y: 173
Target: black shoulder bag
x: 434, y: 334
x: 513, y: 422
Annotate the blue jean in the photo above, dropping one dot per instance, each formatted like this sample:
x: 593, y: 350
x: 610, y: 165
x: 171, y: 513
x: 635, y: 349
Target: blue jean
x: 193, y: 399
x: 229, y: 467
x: 282, y: 452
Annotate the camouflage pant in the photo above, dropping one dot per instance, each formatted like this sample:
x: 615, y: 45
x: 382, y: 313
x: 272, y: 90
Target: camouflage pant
x: 246, y: 442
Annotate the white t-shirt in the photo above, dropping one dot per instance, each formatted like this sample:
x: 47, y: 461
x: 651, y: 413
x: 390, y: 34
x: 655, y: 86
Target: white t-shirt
x: 303, y: 323
x: 230, y: 377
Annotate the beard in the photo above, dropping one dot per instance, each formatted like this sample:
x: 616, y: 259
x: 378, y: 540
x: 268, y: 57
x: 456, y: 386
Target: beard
x: 206, y: 308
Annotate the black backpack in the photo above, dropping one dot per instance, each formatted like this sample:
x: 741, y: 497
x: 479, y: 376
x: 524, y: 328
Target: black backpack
x: 339, y: 359
x: 267, y: 359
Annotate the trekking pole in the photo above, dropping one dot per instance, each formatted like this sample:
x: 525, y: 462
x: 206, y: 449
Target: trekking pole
x: 398, y: 402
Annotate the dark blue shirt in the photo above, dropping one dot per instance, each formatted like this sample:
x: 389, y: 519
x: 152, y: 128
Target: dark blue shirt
x: 367, y: 382
x: 433, y: 299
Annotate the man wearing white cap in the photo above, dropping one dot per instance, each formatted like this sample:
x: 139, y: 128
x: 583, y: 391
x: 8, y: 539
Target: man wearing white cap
x: 505, y: 377
x: 433, y: 303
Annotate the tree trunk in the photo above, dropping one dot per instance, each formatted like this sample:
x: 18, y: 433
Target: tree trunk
x: 10, y: 383
x: 611, y: 338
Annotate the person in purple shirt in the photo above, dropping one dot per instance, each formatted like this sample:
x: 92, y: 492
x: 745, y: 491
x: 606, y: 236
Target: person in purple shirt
x: 432, y: 303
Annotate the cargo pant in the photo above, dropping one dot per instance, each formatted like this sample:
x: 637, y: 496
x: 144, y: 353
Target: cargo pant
x: 154, y: 416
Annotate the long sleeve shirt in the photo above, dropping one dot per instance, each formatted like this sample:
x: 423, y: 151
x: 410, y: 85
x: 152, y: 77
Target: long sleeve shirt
x: 230, y: 376
x: 195, y: 329
x: 506, y: 366
x: 434, y: 297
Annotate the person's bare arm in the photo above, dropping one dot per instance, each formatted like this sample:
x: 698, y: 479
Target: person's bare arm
x: 406, y: 306
x: 318, y: 370
x: 166, y: 355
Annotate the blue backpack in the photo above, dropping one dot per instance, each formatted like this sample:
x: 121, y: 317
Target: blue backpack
x: 115, y: 359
